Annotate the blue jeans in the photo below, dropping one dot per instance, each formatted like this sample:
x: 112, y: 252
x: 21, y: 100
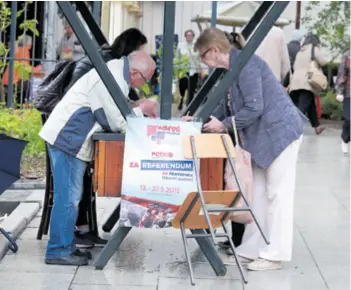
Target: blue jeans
x: 68, y: 173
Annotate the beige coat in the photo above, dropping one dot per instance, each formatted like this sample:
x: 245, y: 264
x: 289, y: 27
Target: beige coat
x: 274, y: 51
x: 299, y: 80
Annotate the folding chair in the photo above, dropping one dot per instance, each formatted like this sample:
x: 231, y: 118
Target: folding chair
x: 196, y: 212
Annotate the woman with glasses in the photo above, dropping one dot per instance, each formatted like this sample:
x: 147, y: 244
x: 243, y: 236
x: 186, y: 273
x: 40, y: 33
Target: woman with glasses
x: 270, y: 127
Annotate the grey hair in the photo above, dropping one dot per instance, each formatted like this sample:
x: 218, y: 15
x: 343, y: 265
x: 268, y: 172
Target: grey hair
x: 24, y: 40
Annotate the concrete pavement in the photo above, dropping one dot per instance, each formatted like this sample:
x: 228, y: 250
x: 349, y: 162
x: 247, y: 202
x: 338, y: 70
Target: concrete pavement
x: 151, y: 259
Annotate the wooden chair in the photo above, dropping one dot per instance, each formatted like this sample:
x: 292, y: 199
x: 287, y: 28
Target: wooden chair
x: 209, y: 210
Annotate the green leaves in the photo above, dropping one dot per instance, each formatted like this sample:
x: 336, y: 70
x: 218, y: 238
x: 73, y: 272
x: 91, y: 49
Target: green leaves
x: 332, y: 24
x: 31, y: 25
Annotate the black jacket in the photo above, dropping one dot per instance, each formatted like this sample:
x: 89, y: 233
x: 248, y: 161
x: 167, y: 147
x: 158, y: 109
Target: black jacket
x: 84, y: 65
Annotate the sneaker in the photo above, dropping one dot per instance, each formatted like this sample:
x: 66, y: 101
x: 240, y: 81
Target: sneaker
x: 91, y: 239
x: 79, y: 253
x: 71, y: 260
x: 224, y: 245
x: 345, y: 147
x: 264, y: 265
x: 82, y: 243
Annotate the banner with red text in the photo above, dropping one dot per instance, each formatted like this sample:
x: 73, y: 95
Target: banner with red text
x: 156, y: 177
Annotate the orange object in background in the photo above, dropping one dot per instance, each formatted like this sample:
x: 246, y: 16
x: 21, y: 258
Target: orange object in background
x: 319, y: 107
x: 21, y: 53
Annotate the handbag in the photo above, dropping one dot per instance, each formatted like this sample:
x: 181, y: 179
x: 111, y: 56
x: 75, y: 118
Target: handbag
x: 243, y: 170
x: 317, y: 80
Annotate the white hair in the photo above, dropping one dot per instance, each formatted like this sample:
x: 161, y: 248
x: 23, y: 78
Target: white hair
x: 141, y: 66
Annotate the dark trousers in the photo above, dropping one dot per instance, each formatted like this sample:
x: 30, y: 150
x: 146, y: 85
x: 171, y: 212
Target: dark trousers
x: 305, y: 101
x: 345, y: 134
x: 237, y: 233
x: 189, y: 84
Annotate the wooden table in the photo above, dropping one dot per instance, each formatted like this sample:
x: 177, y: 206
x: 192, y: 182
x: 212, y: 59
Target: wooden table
x: 109, y: 152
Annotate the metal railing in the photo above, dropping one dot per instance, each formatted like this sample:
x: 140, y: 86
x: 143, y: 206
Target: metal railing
x: 29, y: 33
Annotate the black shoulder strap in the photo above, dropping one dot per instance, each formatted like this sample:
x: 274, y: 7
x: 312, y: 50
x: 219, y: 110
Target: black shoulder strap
x: 313, y: 53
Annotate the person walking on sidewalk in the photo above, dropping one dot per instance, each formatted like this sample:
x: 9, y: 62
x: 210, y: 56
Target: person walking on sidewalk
x: 343, y: 95
x: 271, y: 129
x: 303, y: 93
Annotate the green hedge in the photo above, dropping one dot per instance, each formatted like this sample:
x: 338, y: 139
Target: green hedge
x: 25, y: 124
x: 331, y: 108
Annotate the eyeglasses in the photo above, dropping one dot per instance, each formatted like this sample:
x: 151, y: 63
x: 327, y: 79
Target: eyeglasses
x: 206, y: 52
x: 147, y: 90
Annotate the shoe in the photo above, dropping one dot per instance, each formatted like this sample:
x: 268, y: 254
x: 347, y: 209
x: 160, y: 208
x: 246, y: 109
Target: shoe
x: 345, y: 147
x: 320, y: 129
x: 79, y: 253
x: 90, y: 239
x: 81, y: 242
x: 70, y: 260
x: 264, y: 265
x: 224, y: 245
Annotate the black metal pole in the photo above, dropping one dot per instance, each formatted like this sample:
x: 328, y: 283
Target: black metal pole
x: 12, y: 52
x: 218, y: 73
x: 97, y: 11
x: 256, y: 19
x: 167, y: 60
x: 90, y: 21
x: 219, y: 92
x: 96, y: 58
x: 214, y: 14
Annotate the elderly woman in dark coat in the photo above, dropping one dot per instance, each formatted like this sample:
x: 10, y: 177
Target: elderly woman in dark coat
x: 270, y: 128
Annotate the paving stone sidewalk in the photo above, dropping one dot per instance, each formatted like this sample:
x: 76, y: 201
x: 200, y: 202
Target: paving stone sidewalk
x: 155, y: 260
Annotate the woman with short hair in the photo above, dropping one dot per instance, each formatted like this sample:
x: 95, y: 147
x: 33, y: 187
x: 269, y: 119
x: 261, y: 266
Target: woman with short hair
x: 270, y: 127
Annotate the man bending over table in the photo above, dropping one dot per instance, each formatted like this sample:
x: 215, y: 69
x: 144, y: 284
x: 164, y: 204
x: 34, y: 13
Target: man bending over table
x: 85, y: 109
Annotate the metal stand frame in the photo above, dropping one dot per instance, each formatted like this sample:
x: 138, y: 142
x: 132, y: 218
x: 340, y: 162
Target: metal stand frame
x: 260, y: 29
x: 215, y: 77
x: 207, y: 211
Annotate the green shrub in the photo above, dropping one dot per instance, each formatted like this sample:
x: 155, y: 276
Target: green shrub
x: 331, y: 108
x: 25, y: 124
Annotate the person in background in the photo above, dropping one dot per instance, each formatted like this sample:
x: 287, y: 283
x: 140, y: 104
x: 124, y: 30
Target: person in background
x: 274, y: 52
x: 69, y: 47
x: 301, y: 90
x: 270, y: 128
x: 127, y: 42
x: 343, y: 95
x: 86, y: 108
x: 190, y: 81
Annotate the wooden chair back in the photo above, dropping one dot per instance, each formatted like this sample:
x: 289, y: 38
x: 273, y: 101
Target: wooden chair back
x: 196, y: 219
x: 208, y: 146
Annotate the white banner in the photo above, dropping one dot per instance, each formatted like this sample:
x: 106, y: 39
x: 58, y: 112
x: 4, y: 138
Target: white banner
x: 156, y: 177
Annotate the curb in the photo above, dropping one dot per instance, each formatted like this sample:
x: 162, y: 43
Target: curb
x: 16, y: 222
x: 26, y: 185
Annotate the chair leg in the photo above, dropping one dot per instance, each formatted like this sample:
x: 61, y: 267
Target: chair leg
x: 241, y: 270
x: 43, y: 227
x: 50, y: 206
x: 187, y: 254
